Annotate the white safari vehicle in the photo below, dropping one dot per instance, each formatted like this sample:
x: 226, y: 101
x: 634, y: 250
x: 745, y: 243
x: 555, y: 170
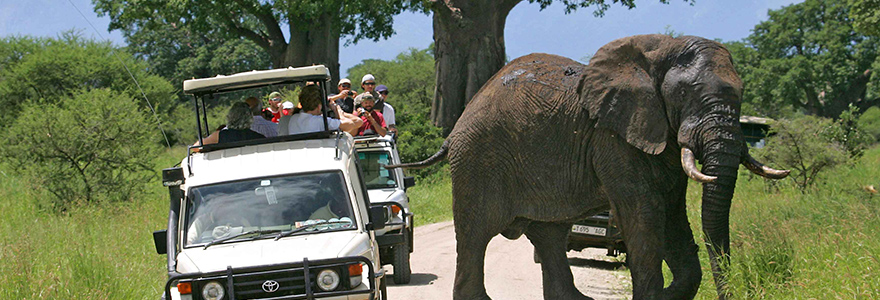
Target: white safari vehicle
x: 388, y: 188
x: 286, y: 217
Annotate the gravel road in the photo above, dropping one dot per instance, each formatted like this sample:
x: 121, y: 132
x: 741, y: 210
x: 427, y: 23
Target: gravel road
x: 510, y: 270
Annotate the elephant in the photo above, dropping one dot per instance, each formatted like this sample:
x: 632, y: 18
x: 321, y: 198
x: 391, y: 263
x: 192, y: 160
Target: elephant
x: 548, y: 141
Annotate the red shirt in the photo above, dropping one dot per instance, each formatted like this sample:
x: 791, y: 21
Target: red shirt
x: 367, y: 125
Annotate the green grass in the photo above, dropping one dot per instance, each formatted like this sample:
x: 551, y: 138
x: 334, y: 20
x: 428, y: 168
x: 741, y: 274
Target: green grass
x: 823, y: 244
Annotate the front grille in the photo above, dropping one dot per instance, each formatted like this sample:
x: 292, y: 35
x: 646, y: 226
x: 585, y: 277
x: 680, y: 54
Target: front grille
x: 250, y: 285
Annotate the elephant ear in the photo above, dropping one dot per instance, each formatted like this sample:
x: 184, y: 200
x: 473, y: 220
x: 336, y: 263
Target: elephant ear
x: 622, y: 94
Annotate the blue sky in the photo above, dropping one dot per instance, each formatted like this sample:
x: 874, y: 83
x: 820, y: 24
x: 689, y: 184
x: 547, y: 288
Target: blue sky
x: 576, y: 35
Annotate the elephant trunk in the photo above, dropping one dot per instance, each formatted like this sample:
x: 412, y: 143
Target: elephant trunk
x: 721, y: 154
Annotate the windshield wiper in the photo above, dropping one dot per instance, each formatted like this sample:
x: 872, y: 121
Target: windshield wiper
x: 304, y: 227
x: 258, y: 232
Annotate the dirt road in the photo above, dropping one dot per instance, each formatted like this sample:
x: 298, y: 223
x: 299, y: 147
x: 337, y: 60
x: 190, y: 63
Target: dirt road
x: 510, y: 270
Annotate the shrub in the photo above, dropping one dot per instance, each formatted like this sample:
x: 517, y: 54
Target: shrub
x: 93, y: 146
x: 847, y: 132
x: 803, y: 146
x: 869, y: 121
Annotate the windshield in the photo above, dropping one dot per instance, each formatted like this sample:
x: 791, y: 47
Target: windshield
x: 267, y: 205
x: 375, y: 174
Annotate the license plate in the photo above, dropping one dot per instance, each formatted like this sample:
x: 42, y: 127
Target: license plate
x: 588, y: 230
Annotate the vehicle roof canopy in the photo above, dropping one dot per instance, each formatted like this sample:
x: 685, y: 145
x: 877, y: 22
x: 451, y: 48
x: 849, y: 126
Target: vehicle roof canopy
x: 222, y: 83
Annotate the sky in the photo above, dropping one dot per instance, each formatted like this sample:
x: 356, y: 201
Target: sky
x: 577, y: 35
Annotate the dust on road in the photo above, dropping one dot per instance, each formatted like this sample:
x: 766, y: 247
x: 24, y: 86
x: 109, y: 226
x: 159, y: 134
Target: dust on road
x: 510, y: 270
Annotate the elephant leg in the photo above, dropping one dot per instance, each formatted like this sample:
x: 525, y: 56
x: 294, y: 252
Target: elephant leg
x: 549, y: 240
x: 680, y: 251
x: 472, y: 236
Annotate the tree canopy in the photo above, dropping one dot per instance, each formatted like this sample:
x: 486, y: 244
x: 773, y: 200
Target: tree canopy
x: 866, y: 16
x: 313, y: 28
x: 807, y: 57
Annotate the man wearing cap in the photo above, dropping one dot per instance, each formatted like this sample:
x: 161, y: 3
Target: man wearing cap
x: 373, y: 122
x: 275, y: 106
x: 386, y: 109
x: 261, y: 125
x: 345, y: 98
x: 368, y: 83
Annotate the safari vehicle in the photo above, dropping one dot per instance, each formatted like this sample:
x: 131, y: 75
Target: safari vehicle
x: 287, y: 217
x: 597, y: 231
x: 388, y: 188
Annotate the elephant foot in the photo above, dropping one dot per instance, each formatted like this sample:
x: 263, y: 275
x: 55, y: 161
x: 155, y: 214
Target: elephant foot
x: 459, y: 296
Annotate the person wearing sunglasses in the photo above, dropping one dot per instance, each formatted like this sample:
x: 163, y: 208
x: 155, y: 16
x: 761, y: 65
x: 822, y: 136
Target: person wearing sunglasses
x: 345, y: 98
x: 386, y: 109
x: 368, y: 83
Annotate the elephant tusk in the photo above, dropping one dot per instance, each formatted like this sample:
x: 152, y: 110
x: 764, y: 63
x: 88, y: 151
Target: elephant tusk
x: 758, y: 168
x: 689, y: 164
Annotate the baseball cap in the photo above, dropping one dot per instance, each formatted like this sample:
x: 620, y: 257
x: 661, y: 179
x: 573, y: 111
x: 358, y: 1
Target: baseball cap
x: 368, y: 77
x: 381, y: 88
x: 274, y: 95
x: 287, y: 105
x: 344, y: 80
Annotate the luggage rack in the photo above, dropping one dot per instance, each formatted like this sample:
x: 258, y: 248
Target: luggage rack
x: 373, y: 141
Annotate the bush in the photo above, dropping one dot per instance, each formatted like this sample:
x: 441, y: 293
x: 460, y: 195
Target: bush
x: 93, y: 146
x: 846, y: 131
x: 803, y: 146
x: 869, y: 121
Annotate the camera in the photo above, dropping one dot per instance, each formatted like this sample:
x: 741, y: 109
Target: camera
x: 350, y: 93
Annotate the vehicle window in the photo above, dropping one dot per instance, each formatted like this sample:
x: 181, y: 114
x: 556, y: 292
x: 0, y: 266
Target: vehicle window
x: 278, y: 203
x: 373, y: 165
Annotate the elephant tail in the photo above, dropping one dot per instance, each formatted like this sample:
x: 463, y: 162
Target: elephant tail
x: 440, y: 155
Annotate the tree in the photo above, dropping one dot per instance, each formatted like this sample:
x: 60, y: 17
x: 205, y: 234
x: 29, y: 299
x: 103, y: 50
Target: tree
x: 314, y: 27
x: 45, y: 71
x: 801, y: 145
x: 177, y: 53
x: 469, y: 43
x: 94, y: 145
x: 807, y: 57
x: 866, y: 16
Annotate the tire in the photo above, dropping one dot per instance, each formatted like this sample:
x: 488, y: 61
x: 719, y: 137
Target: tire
x: 383, y: 289
x: 402, y: 270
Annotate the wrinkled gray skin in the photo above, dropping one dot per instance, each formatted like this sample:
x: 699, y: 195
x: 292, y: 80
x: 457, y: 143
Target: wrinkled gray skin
x: 548, y: 141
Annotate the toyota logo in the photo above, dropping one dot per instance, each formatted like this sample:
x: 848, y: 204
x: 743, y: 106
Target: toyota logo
x: 270, y: 286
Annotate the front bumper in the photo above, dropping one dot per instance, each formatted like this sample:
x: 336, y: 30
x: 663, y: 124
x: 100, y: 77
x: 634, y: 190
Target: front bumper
x: 296, y: 280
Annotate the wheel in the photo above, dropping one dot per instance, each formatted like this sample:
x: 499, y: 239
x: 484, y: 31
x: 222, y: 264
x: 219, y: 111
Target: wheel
x: 383, y: 289
x: 536, y: 257
x: 402, y: 270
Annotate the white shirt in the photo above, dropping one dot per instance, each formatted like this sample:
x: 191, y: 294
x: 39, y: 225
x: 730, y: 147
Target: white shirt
x: 305, y: 122
x: 388, y: 114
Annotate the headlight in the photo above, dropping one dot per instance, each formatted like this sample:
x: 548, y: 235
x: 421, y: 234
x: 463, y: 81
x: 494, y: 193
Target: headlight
x: 328, y: 280
x: 213, y: 291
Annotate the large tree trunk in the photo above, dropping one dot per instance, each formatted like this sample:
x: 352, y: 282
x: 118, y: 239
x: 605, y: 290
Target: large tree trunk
x: 305, y: 48
x: 468, y: 50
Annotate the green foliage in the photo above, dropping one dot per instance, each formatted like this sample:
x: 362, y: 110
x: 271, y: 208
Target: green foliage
x: 866, y: 16
x: 44, y: 71
x: 803, y: 146
x: 177, y: 53
x: 601, y: 5
x: 410, y: 81
x: 869, y: 121
x: 845, y: 131
x: 91, y: 146
x: 806, y: 57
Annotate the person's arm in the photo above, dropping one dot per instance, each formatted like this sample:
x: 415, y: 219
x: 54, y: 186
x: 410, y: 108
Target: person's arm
x: 347, y: 122
x: 389, y: 118
x: 377, y: 123
x: 210, y: 139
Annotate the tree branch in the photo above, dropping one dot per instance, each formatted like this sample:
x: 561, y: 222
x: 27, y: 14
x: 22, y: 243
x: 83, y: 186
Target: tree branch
x: 264, y: 14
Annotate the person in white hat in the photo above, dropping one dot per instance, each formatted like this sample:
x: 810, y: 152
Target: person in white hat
x: 309, y: 118
x: 368, y: 83
x: 345, y: 98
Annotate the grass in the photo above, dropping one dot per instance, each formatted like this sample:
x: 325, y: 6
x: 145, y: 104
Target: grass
x: 822, y: 244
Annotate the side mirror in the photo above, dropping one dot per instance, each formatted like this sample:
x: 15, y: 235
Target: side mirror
x: 378, y: 215
x: 160, y: 239
x: 409, y: 182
